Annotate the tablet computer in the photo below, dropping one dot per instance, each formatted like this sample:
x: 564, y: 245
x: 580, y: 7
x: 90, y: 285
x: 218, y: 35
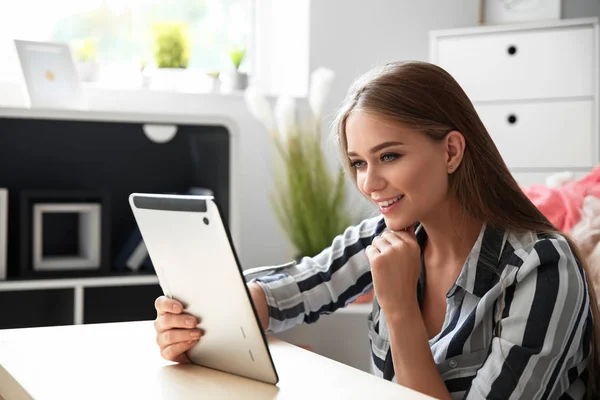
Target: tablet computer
x: 196, y: 263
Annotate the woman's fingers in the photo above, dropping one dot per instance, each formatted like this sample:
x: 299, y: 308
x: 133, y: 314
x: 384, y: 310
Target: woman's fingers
x: 169, y: 321
x: 392, y: 238
x: 173, y: 336
x: 372, y: 253
x: 381, y: 244
x: 399, y: 238
x: 176, y: 331
x: 164, y: 304
x: 176, y: 352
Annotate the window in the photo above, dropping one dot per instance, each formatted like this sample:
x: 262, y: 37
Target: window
x: 122, y: 29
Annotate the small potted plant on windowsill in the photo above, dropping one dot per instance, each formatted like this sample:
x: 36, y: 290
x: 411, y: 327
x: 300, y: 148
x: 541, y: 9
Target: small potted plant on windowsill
x: 215, y: 82
x: 236, y: 80
x: 171, y: 55
x: 86, y: 60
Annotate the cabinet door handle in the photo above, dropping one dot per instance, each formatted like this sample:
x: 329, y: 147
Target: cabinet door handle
x: 512, y: 50
x: 159, y: 133
x: 512, y: 119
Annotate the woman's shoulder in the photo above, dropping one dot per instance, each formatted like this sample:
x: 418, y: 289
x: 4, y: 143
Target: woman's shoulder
x: 369, y: 226
x: 542, y: 249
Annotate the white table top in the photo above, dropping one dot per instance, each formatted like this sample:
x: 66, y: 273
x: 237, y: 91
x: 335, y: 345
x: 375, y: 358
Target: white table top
x: 122, y: 361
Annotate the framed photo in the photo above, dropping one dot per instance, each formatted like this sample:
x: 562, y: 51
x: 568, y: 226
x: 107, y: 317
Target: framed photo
x: 496, y: 12
x: 78, y: 229
x: 64, y: 233
x: 3, y: 231
x: 50, y: 75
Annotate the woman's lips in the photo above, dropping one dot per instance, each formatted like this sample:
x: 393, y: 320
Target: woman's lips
x: 392, y: 207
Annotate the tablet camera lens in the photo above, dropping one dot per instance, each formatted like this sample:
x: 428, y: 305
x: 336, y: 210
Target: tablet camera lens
x: 205, y: 221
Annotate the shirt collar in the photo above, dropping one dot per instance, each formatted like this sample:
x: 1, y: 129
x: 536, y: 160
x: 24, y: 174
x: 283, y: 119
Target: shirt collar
x: 484, y: 264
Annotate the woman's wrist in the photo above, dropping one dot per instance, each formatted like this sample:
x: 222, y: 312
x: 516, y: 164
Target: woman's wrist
x: 260, y: 303
x: 403, y: 311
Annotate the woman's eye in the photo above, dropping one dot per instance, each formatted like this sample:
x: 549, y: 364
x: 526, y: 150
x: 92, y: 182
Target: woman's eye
x: 389, y: 157
x: 356, y: 164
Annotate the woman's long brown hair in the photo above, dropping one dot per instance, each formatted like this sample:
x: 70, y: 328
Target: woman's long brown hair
x: 426, y: 97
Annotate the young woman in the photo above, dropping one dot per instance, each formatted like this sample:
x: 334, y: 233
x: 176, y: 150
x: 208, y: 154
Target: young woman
x: 477, y: 295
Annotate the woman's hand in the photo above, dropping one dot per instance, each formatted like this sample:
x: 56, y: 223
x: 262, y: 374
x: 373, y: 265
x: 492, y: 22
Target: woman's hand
x: 395, y: 259
x: 176, y: 331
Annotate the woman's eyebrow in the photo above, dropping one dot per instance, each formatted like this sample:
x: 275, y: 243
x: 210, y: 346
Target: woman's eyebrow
x: 377, y: 148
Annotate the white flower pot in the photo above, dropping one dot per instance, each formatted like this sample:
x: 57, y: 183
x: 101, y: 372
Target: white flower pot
x: 88, y: 71
x: 215, y: 85
x: 235, y: 81
x: 170, y: 79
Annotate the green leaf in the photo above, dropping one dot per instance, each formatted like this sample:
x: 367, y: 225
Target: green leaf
x: 237, y: 55
x: 86, y: 51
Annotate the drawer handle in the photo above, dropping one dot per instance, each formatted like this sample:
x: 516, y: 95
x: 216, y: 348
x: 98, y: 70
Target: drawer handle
x: 512, y: 119
x: 512, y: 50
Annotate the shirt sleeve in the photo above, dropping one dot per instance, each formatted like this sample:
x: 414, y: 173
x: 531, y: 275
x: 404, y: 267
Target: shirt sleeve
x: 301, y: 292
x: 545, y: 333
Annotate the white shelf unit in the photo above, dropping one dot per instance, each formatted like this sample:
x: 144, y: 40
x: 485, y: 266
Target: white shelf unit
x: 204, y: 152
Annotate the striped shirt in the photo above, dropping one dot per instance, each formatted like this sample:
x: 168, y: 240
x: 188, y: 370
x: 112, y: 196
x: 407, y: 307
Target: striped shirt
x: 535, y: 346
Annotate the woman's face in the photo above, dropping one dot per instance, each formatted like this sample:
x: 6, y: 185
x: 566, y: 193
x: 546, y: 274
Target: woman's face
x: 401, y: 170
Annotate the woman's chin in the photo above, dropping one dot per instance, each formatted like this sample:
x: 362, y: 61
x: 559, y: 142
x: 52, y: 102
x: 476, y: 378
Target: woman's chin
x: 397, y: 224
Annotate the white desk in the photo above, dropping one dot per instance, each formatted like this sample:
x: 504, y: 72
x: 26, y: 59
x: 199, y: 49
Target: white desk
x: 122, y: 361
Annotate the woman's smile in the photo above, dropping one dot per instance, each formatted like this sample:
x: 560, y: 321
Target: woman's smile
x: 388, y: 206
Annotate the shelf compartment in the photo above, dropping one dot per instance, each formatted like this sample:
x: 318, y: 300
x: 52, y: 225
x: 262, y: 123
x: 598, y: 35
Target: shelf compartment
x: 32, y: 308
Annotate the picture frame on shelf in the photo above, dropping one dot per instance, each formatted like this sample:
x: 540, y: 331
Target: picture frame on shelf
x: 49, y: 75
x: 64, y: 233
x: 77, y: 225
x: 3, y: 232
x: 497, y: 12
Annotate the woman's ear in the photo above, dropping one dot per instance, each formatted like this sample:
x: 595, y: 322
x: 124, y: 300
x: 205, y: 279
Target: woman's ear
x: 455, y: 149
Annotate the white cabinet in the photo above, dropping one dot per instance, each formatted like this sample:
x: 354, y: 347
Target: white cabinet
x: 533, y: 135
x: 534, y: 86
x: 529, y: 64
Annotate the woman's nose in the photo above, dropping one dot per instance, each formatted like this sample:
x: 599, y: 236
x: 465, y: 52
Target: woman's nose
x: 372, y: 181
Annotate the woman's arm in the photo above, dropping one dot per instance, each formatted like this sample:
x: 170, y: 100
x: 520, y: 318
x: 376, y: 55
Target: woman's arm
x: 318, y: 285
x: 413, y: 363
x: 395, y: 259
x: 260, y: 304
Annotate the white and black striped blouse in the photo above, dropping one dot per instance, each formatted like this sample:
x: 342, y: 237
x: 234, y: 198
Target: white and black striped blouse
x: 546, y: 323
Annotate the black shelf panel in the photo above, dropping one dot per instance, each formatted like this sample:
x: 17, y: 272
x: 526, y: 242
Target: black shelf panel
x: 120, y: 303
x: 111, y: 158
x: 107, y: 158
x: 33, y: 308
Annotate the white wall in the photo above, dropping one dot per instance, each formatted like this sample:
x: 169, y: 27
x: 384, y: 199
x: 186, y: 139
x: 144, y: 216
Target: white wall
x: 580, y: 8
x: 281, y: 46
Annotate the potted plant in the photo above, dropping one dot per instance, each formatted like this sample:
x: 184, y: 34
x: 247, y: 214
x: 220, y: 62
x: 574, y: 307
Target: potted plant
x: 309, y: 200
x: 146, y: 78
x: 215, y: 83
x: 237, y: 80
x: 171, y: 50
x: 86, y: 60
